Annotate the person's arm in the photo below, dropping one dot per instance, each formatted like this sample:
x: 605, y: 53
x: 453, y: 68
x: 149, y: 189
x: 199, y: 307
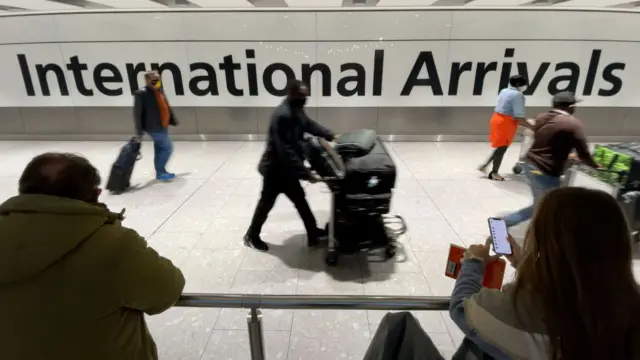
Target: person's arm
x: 284, y: 143
x: 582, y: 148
x: 145, y: 280
x: 314, y: 128
x: 138, y: 110
x: 469, y: 283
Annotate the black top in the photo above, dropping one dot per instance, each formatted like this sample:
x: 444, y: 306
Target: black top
x: 146, y: 113
x: 556, y: 135
x: 284, y: 155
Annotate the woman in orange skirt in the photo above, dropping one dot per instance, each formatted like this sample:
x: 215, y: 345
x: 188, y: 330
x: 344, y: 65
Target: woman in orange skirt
x: 508, y: 114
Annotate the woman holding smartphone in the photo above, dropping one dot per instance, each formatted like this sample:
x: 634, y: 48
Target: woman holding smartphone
x: 574, y: 296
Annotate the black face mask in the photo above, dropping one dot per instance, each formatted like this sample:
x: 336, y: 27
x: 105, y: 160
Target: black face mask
x: 298, y: 103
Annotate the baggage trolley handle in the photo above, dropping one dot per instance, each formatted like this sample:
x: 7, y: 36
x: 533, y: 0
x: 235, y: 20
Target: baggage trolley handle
x: 394, y: 226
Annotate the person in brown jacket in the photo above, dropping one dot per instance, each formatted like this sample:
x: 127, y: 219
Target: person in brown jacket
x: 74, y: 283
x: 557, y: 133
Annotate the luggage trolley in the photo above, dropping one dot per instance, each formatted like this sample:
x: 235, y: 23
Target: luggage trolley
x: 579, y: 175
x: 357, y: 222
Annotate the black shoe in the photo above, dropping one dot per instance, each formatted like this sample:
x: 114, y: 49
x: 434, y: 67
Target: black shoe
x: 320, y: 236
x: 255, y: 243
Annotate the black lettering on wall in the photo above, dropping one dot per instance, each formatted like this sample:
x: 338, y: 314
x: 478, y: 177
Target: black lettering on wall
x: 132, y: 75
x: 611, y: 78
x: 209, y: 80
x: 537, y: 78
x: 481, y: 73
x: 229, y: 67
x: 571, y: 78
x: 252, y: 73
x: 378, y: 68
x: 105, y: 73
x: 425, y: 59
x: 76, y: 67
x: 26, y: 75
x: 592, y: 71
x: 505, y: 74
x: 43, y: 70
x: 457, y: 69
x: 175, y: 72
x: 325, y: 77
x: 267, y: 78
x: 359, y: 80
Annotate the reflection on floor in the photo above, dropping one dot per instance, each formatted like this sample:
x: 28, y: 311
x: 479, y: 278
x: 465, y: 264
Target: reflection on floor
x: 198, y: 221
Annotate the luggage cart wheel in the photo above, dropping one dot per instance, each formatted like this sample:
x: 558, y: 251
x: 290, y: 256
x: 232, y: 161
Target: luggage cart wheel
x: 331, y: 258
x: 390, y: 252
x: 517, y: 169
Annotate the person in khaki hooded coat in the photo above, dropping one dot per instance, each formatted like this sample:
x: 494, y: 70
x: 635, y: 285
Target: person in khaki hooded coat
x: 74, y: 283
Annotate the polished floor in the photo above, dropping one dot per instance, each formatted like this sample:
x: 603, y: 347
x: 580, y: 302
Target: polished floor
x: 198, y: 222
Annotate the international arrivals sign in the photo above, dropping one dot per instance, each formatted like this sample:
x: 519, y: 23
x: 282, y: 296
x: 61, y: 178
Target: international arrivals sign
x: 418, y: 73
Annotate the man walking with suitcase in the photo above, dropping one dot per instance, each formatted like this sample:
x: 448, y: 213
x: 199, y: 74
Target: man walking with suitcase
x: 153, y: 115
x: 282, y: 165
x: 557, y: 134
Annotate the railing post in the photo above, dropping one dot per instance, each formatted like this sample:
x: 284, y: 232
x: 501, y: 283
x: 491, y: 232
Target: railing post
x: 256, y: 339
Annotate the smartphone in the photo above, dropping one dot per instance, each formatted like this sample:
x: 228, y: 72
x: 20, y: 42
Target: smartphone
x: 500, y: 236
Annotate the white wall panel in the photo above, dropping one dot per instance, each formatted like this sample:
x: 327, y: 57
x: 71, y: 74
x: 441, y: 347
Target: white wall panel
x: 124, y: 57
x: 591, y: 3
x: 39, y: 54
x: 542, y: 62
x: 119, y: 27
x: 405, y: 2
x: 242, y: 26
x: 292, y: 55
x: 40, y: 5
x: 562, y: 42
x: 27, y: 29
x: 130, y: 4
x: 375, y: 25
x: 223, y: 3
x: 398, y: 62
x: 544, y: 24
x: 498, y: 2
x: 314, y: 3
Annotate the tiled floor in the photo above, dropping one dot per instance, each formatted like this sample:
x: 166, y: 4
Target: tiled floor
x: 198, y: 221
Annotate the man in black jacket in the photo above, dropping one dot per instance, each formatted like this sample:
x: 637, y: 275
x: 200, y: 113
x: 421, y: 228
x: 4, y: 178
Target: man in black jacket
x: 153, y: 115
x: 282, y: 165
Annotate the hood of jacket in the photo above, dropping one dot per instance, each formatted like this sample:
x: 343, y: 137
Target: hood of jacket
x: 38, y: 230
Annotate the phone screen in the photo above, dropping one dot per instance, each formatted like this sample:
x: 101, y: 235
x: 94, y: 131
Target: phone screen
x: 499, y: 236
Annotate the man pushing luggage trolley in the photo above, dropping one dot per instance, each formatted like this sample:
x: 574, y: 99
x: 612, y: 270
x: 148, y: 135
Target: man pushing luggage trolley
x: 557, y: 134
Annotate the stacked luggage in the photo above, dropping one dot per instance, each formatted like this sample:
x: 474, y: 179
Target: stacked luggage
x: 620, y: 170
x: 361, y: 175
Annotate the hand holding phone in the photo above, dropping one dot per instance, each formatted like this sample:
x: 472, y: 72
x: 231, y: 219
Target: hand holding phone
x: 500, y: 236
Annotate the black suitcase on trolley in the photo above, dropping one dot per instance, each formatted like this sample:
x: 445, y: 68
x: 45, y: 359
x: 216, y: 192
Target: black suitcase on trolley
x: 369, y: 180
x: 122, y: 168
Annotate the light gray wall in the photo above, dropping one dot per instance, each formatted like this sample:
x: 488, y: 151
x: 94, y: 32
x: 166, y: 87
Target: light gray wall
x: 215, y: 123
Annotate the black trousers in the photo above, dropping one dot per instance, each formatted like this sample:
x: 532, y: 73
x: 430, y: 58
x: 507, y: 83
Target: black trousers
x: 272, y: 186
x: 496, y: 157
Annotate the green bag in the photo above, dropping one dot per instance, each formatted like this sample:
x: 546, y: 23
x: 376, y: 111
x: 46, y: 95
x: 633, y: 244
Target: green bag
x: 611, y: 158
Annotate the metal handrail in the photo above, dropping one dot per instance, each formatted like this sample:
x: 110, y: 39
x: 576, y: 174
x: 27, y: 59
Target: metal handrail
x: 254, y: 302
x: 325, y: 302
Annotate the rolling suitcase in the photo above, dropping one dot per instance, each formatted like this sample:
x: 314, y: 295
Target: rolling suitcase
x: 122, y: 168
x: 369, y: 181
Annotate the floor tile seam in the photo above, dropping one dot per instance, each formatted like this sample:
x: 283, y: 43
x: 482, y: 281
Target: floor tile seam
x: 440, y: 211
